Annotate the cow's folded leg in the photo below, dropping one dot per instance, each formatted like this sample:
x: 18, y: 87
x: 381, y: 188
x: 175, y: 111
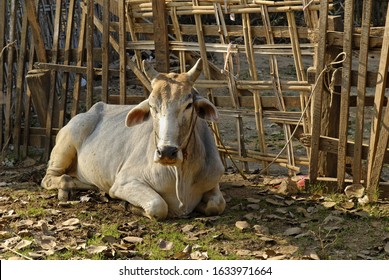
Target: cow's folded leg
x: 212, y: 203
x: 68, y: 184
x: 142, y: 198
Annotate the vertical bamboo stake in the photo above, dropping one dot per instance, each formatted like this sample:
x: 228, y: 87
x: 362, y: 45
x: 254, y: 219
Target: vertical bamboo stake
x: 65, y: 75
x: 379, y: 136
x: 105, y: 51
x: 130, y: 21
x: 53, y: 79
x: 317, y: 94
x: 20, y: 82
x: 122, y: 51
x: 10, y: 63
x: 177, y: 31
x: 345, y: 91
x: 256, y: 93
x: 89, y: 54
x: 2, y: 45
x: 161, y: 39
x: 361, y: 90
x: 80, y: 58
x: 277, y: 85
x: 27, y: 107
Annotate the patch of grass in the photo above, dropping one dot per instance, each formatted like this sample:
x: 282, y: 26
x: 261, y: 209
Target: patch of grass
x: 110, y: 230
x: 31, y: 212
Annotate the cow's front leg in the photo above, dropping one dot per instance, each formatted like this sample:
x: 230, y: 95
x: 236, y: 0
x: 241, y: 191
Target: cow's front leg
x: 212, y: 203
x: 142, y: 197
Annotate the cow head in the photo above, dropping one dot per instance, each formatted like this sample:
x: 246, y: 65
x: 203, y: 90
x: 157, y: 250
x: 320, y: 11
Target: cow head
x: 174, y: 107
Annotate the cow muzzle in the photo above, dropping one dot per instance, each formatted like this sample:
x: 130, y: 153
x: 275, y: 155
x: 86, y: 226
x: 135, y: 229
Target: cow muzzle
x: 168, y: 155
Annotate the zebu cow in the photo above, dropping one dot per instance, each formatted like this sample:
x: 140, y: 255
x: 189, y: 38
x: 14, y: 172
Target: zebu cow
x: 164, y: 163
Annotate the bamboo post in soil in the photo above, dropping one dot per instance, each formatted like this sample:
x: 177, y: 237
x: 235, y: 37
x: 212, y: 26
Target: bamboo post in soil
x: 79, y: 61
x: 177, y: 31
x: 53, y: 79
x: 161, y: 39
x: 10, y: 63
x: 122, y: 51
x: 345, y: 90
x: 206, y: 69
x: 2, y: 45
x: 361, y: 90
x: 379, y: 136
x: 105, y: 51
x: 20, y: 83
x: 317, y: 93
x: 256, y: 94
x: 277, y: 84
x: 89, y: 54
x: 66, y: 61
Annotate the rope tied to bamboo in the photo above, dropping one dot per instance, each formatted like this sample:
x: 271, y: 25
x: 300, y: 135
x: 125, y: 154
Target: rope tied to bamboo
x: 9, y: 45
x: 330, y: 86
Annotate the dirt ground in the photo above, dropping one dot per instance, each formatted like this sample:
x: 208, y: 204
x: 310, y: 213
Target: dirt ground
x: 265, y: 218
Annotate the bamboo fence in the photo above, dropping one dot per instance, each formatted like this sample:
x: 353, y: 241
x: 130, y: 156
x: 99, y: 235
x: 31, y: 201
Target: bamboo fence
x: 55, y: 53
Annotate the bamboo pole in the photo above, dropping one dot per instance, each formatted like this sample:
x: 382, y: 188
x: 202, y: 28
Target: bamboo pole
x: 379, y: 136
x: 10, y: 71
x: 65, y: 75
x: 89, y: 54
x: 317, y: 93
x: 345, y: 91
x: 277, y: 85
x: 80, y: 59
x: 53, y: 79
x: 3, y: 20
x: 361, y: 91
x: 122, y: 51
x: 20, y: 83
x: 105, y: 50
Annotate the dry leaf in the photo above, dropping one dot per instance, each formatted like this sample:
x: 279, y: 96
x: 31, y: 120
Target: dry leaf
x: 347, y: 205
x: 187, y: 228
x: 253, y: 206
x: 10, y: 242
x: 354, y: 190
x: 243, y: 253
x: 253, y: 200
x: 133, y: 239
x: 92, y: 249
x: 328, y: 204
x: 46, y: 242
x: 71, y: 222
x: 292, y: 231
x: 259, y: 229
x: 23, y: 224
x: 275, y: 202
x: 165, y: 245
x: 23, y: 244
x: 197, y: 255
x: 242, y: 225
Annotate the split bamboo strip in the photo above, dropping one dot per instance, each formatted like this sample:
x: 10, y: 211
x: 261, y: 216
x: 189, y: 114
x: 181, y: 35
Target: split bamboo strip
x: 379, y: 137
x: 122, y: 51
x: 317, y: 93
x: 89, y: 54
x: 178, y: 34
x: 10, y: 72
x: 53, y: 79
x: 361, y: 91
x: 66, y: 61
x: 20, y: 84
x: 80, y: 59
x: 134, y: 38
x: 105, y: 50
x: 3, y: 20
x: 345, y: 91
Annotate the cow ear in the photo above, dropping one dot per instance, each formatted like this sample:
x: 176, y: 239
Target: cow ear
x: 138, y: 114
x: 205, y: 109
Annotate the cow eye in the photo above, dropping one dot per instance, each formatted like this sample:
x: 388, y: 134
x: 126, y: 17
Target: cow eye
x: 189, y: 106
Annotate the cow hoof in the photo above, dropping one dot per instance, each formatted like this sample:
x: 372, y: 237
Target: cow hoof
x: 157, y: 210
x: 63, y: 195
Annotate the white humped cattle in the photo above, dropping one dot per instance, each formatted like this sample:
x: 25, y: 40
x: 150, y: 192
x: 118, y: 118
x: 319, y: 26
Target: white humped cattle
x: 159, y: 156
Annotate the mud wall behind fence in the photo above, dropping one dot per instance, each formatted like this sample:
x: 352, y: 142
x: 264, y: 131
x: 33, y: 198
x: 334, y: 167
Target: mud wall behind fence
x: 288, y: 102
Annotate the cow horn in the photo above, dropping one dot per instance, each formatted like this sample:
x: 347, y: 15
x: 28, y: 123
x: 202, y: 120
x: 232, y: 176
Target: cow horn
x: 195, y: 71
x: 150, y: 72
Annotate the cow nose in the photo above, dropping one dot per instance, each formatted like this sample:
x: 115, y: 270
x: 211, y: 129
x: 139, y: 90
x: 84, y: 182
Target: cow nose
x: 167, y: 152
